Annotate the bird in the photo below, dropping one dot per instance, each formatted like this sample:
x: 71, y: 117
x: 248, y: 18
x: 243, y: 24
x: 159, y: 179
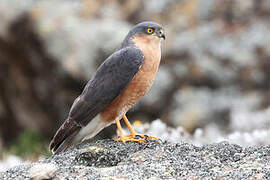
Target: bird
x: 118, y: 84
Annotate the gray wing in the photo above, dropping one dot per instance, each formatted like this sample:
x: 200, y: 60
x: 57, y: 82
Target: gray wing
x: 110, y: 80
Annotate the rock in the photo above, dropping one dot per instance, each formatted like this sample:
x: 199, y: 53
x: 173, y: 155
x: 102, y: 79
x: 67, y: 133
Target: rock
x: 9, y: 162
x: 42, y: 171
x: 152, y: 160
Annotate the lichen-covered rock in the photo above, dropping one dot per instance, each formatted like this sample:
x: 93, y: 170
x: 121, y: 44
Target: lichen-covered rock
x: 110, y: 159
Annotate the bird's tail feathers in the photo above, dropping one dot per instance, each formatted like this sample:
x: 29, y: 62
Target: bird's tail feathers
x: 70, y: 133
x: 64, y: 137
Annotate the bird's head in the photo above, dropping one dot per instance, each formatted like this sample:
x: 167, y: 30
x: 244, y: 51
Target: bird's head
x: 146, y: 31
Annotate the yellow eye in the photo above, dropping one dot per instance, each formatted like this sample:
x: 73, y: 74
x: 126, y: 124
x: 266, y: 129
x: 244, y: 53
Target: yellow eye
x: 150, y: 30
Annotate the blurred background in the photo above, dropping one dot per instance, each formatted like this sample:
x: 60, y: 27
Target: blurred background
x: 213, y: 83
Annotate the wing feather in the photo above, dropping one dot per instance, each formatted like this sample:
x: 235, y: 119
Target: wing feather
x: 109, y: 81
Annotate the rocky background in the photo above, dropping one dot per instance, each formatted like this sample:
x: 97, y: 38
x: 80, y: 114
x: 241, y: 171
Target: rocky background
x: 213, y: 82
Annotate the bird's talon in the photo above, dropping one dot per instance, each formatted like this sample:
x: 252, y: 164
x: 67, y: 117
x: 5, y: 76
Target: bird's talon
x: 130, y: 139
x: 137, y: 138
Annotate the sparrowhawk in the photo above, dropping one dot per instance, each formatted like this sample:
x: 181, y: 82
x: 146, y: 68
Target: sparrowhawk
x: 119, y: 83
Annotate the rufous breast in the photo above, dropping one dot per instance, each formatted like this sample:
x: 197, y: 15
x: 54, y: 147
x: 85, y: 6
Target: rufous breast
x: 142, y: 81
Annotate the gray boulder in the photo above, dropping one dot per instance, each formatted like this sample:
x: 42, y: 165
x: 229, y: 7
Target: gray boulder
x: 152, y: 160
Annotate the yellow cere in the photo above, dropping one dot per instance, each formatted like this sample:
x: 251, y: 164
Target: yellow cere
x: 150, y: 30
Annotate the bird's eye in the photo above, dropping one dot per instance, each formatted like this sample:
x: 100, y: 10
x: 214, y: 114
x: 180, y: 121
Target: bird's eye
x: 150, y: 30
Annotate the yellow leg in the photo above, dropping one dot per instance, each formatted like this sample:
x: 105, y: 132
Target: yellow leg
x: 119, y: 127
x: 124, y: 138
x: 131, y: 130
x: 133, y: 136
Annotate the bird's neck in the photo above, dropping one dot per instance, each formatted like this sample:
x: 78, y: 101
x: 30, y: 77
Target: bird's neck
x: 146, y: 42
x: 151, y: 48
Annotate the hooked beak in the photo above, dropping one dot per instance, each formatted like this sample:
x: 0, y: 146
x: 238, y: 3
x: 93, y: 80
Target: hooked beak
x: 161, y: 34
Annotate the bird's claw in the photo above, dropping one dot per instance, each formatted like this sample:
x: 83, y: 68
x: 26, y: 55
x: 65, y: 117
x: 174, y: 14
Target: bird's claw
x: 146, y: 137
x: 130, y: 139
x: 137, y: 138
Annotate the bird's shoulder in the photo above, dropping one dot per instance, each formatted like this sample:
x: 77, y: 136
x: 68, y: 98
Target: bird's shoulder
x: 130, y: 56
x: 118, y: 68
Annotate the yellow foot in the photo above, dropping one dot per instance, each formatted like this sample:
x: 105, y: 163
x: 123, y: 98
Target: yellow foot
x: 146, y: 137
x: 130, y: 138
x: 137, y: 138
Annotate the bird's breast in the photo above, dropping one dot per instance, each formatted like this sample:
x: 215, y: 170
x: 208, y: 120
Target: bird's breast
x: 139, y: 85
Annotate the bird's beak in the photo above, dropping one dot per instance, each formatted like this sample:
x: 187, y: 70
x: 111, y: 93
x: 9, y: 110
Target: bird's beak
x: 161, y: 34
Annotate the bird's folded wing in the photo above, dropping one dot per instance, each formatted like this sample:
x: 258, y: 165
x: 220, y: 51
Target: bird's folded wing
x: 110, y: 80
